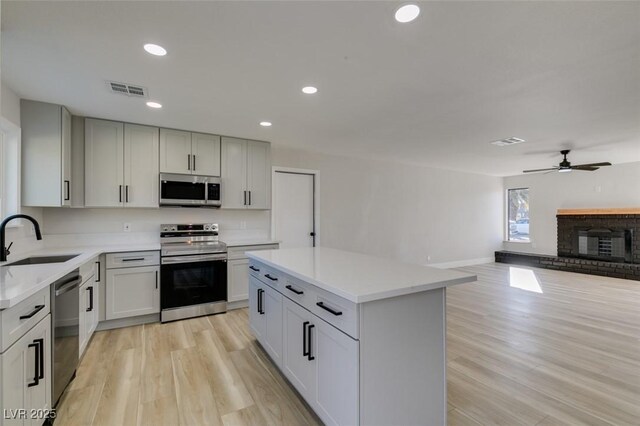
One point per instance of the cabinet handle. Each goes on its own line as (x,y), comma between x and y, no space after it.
(245,198)
(309,356)
(120,186)
(188,161)
(156,280)
(40,343)
(260,293)
(270,277)
(36,375)
(98,274)
(90,290)
(126,193)
(249,197)
(305,352)
(253,268)
(326,308)
(194,162)
(68,190)
(290,288)
(131,259)
(37,309)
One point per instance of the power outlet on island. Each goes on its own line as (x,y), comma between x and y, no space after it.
(126,227)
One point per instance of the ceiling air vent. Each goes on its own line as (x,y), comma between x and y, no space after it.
(508,141)
(127,89)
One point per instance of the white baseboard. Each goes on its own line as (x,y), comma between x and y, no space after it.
(461,263)
(127,322)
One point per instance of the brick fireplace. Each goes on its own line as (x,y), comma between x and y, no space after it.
(596,241)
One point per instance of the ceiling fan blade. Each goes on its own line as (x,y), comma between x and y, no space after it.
(593,165)
(540,170)
(585,167)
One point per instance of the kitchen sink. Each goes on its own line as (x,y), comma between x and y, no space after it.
(39,260)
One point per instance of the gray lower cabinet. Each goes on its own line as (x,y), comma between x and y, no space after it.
(132,289)
(238,271)
(26,377)
(88,306)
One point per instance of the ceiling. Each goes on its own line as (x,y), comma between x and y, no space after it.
(433,92)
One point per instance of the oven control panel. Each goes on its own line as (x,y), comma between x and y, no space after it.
(193,227)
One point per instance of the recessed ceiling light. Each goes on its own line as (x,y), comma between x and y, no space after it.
(407,13)
(154,49)
(265,123)
(152,104)
(309,90)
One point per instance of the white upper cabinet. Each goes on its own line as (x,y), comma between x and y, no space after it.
(189,153)
(246,174)
(104,163)
(205,154)
(46,154)
(121,164)
(175,151)
(141,169)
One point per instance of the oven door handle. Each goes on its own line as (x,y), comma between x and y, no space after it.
(191,259)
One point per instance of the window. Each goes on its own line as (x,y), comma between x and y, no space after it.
(9,168)
(518,214)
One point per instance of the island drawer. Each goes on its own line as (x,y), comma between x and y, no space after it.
(133,258)
(339,312)
(19,319)
(267,275)
(89,268)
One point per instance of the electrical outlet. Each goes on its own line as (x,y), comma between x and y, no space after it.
(428,258)
(243,224)
(126,227)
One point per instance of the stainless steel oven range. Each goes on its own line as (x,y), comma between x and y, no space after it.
(193,271)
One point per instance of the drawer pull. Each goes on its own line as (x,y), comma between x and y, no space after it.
(270,277)
(290,288)
(37,309)
(131,259)
(328,309)
(253,268)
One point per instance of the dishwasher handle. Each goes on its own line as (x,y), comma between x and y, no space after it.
(69,285)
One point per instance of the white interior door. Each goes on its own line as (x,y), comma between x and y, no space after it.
(294,209)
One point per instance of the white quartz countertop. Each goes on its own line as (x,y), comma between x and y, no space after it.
(238,242)
(19,282)
(358,277)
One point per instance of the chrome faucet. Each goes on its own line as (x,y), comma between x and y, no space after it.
(4,251)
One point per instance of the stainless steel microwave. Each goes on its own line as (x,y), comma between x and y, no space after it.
(190,190)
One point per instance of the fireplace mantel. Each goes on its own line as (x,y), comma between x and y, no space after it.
(578,212)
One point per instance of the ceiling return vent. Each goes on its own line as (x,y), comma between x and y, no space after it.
(507,141)
(127,89)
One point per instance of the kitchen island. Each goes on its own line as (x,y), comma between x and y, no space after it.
(361,338)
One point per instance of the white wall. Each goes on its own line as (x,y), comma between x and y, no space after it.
(609,187)
(402,211)
(10,105)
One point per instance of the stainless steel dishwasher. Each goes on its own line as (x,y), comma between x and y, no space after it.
(65,327)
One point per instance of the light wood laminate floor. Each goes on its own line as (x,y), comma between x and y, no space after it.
(525,347)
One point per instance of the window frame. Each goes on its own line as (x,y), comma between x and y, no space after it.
(506,222)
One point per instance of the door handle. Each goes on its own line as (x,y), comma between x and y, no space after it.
(68,190)
(309,356)
(36,375)
(90,290)
(305,352)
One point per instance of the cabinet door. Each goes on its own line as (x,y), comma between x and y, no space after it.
(19,369)
(257,319)
(258,175)
(66,157)
(205,151)
(175,151)
(93,313)
(238,279)
(273,329)
(132,292)
(83,318)
(336,397)
(141,165)
(296,365)
(104,163)
(234,173)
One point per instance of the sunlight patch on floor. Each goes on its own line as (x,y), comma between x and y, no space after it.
(524,279)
